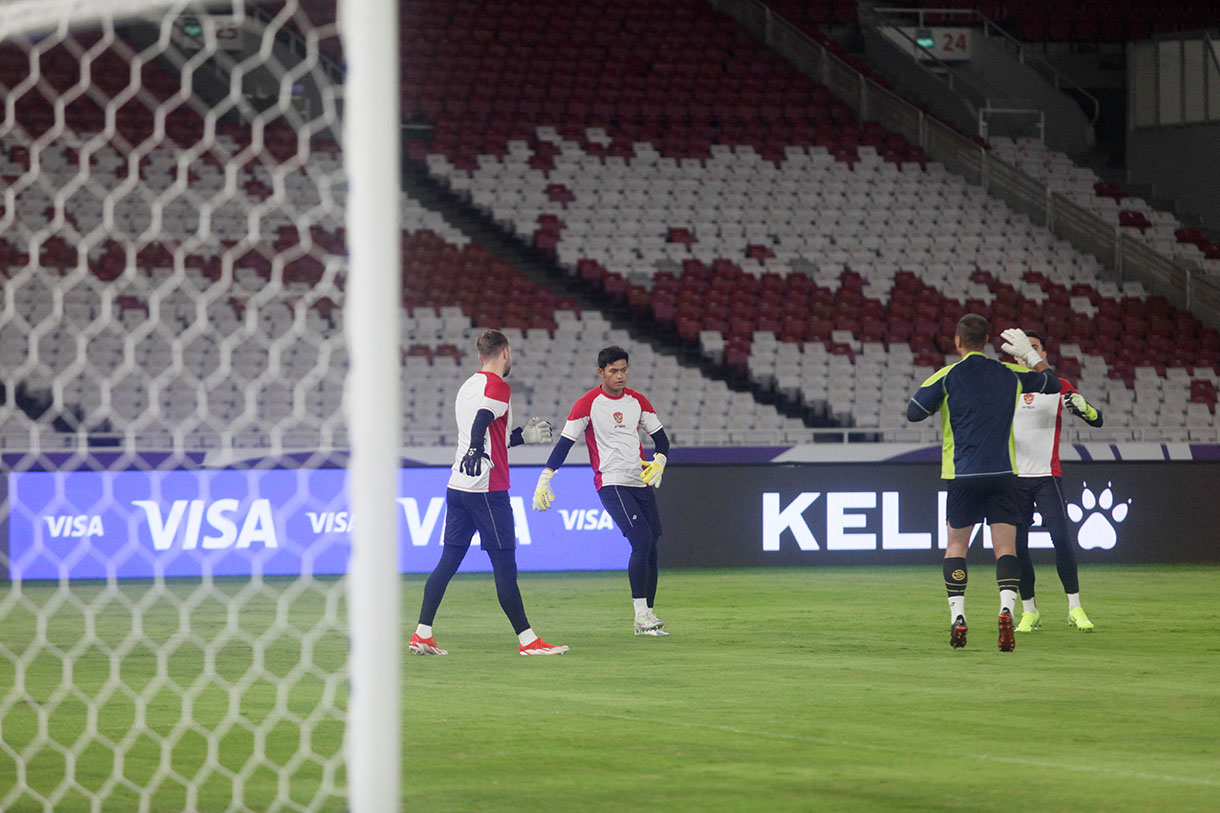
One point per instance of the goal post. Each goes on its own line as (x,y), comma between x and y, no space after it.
(371,134)
(199,364)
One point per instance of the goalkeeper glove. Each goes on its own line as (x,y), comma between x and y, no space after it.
(1074,403)
(472,462)
(536,431)
(1016,343)
(543,495)
(653,471)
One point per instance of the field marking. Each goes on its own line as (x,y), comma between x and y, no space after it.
(1190,780)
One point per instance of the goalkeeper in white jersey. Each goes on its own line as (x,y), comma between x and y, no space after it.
(611,416)
(1036,426)
(476,500)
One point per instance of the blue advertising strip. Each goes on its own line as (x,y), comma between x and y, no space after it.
(139,524)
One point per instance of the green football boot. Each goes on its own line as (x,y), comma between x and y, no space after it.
(1030,621)
(1077,619)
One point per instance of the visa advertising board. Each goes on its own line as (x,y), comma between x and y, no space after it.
(137,524)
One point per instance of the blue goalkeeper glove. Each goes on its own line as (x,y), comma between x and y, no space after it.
(472,462)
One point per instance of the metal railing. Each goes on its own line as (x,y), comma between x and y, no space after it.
(1126,257)
(986,114)
(261,443)
(256,444)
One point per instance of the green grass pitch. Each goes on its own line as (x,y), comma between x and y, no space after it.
(821,689)
(810,689)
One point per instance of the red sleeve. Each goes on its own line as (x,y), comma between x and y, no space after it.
(583,405)
(644,404)
(496,389)
(1066,385)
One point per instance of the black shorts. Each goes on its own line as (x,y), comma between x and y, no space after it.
(1043,495)
(487,512)
(634,510)
(994,498)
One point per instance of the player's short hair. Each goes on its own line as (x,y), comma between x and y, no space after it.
(972,329)
(491,343)
(1033,334)
(610,355)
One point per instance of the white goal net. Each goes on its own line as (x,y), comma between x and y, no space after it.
(173,517)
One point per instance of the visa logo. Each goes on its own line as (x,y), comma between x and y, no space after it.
(331,522)
(586,519)
(423,519)
(74,526)
(186,519)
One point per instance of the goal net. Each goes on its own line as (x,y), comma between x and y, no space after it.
(174,527)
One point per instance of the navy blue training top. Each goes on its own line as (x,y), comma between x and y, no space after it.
(976,398)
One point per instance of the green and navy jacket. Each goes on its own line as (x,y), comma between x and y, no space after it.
(976,398)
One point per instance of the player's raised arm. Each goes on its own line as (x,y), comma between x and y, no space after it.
(1041,377)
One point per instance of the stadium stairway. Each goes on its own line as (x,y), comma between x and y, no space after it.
(541,267)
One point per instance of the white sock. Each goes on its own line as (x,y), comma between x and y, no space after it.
(1073,601)
(1008,600)
(641,607)
(424,630)
(528,636)
(1029,605)
(957,606)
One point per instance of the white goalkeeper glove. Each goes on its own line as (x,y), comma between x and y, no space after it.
(1016,343)
(653,471)
(1074,403)
(543,495)
(536,431)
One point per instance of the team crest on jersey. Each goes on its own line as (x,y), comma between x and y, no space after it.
(618,417)
(1029,397)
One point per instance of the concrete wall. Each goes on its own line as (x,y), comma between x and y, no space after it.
(1180,163)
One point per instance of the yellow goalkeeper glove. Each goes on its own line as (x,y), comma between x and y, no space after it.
(653,471)
(1076,405)
(543,495)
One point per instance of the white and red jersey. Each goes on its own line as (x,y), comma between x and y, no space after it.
(483,391)
(1036,424)
(612,433)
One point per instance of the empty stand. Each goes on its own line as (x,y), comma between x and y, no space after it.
(717,192)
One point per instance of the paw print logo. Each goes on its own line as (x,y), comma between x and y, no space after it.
(1100,515)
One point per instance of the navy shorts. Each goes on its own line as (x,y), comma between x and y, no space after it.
(994,498)
(634,510)
(487,512)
